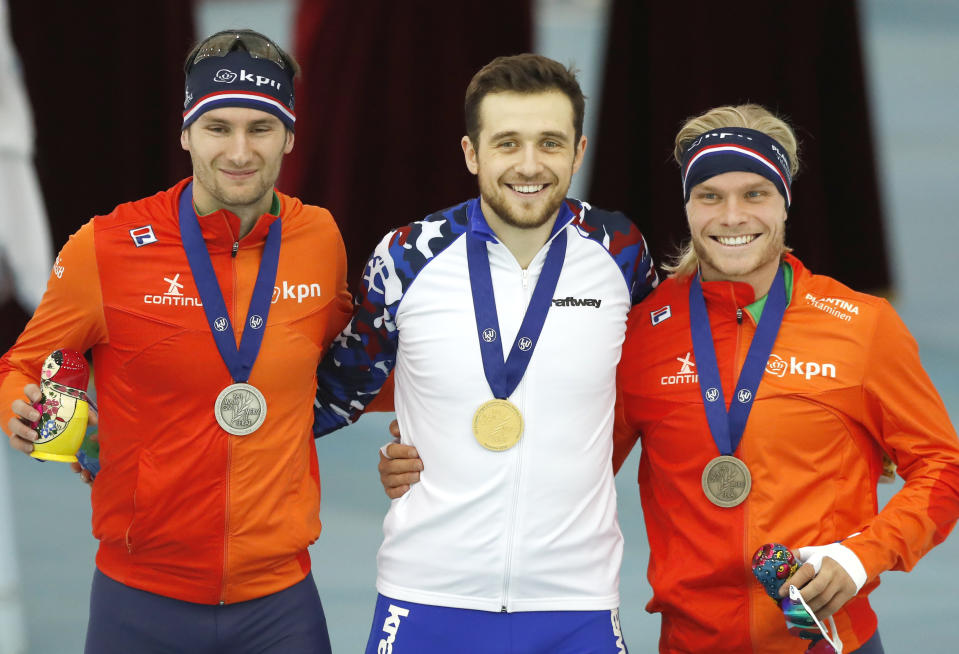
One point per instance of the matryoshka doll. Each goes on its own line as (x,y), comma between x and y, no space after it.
(63,407)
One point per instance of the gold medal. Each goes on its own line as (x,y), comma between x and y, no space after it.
(726,481)
(497,425)
(240,409)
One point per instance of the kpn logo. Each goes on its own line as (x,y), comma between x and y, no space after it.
(779,367)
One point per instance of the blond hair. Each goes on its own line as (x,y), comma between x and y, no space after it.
(751,116)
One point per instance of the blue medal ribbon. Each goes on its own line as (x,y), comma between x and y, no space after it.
(239,361)
(727,428)
(504,376)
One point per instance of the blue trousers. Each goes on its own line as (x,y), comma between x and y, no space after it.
(401,627)
(125,620)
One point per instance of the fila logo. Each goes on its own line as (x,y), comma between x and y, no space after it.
(220,324)
(390,626)
(524,344)
(256,321)
(778,366)
(834,306)
(658,316)
(576,302)
(489,334)
(173,296)
(686,374)
(143,235)
(58,268)
(297,292)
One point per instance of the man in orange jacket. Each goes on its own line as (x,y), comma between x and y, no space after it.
(207,307)
(765,397)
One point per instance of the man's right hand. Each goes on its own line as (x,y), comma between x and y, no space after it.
(22,437)
(400,468)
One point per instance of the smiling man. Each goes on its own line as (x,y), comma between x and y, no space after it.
(208,495)
(510,542)
(819,380)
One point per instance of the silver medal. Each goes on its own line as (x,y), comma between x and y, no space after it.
(240,409)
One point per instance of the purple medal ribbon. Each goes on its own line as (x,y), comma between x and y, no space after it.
(239,361)
(727,428)
(504,377)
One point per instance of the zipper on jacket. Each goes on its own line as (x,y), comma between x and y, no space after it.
(126,537)
(739,315)
(511,521)
(229,463)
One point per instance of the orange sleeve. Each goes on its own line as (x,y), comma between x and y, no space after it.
(343,303)
(624,436)
(70,316)
(383,402)
(906,415)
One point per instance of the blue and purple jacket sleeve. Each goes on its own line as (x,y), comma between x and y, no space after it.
(625,244)
(361,358)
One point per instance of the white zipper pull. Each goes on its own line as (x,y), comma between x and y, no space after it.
(525,278)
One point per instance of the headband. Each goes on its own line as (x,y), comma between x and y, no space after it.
(730,149)
(238,80)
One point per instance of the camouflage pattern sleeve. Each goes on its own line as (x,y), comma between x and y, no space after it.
(625,244)
(361,358)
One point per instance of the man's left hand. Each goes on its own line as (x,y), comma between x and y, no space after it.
(826,592)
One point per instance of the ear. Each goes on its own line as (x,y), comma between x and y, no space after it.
(469,154)
(580,151)
(289,142)
(185,139)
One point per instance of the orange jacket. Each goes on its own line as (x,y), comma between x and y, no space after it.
(181,507)
(843,384)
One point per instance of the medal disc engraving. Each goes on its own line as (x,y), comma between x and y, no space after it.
(497,425)
(726,481)
(240,409)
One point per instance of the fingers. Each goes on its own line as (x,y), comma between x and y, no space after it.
(93,419)
(395,429)
(396,482)
(83,472)
(21,437)
(32,391)
(398,474)
(801,577)
(399,451)
(830,589)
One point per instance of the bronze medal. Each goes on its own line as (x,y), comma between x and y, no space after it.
(497,425)
(726,481)
(240,409)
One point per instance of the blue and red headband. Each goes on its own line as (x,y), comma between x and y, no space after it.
(736,149)
(238,80)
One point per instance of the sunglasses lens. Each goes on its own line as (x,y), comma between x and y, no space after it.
(219,45)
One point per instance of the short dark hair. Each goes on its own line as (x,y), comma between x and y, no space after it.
(290,63)
(523,73)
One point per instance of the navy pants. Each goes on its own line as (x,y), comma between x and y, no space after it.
(124,620)
(871,646)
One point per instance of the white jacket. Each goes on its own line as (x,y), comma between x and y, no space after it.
(532,528)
